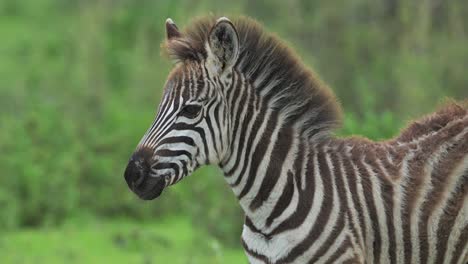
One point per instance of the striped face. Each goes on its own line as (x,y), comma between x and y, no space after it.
(190,128)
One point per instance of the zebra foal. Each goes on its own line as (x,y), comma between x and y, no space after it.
(239,98)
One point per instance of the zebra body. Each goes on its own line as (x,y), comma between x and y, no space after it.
(240,99)
(355,213)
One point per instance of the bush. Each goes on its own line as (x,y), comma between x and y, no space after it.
(81,80)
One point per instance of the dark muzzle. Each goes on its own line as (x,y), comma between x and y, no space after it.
(139,178)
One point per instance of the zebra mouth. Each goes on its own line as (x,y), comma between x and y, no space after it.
(151,188)
(141,179)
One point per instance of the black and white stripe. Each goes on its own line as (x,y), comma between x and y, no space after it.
(308,196)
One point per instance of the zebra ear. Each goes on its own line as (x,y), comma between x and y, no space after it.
(171,30)
(223,44)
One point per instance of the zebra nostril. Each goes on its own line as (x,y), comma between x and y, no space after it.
(131,174)
(135,173)
(138,168)
(140,178)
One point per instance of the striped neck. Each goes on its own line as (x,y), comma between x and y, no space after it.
(265,154)
(262,167)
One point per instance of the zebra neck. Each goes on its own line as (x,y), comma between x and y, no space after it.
(262,169)
(269,145)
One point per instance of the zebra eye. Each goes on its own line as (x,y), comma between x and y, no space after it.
(190,110)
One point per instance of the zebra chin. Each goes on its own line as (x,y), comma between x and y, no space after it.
(151,191)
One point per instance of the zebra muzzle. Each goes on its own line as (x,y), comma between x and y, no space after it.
(138,178)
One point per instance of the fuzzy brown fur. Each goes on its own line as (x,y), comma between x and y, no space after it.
(264,54)
(270,65)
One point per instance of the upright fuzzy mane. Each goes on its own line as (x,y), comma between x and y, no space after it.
(450,112)
(272,68)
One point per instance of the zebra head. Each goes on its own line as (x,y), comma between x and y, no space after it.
(192,124)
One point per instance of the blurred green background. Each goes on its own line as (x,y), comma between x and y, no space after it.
(80,82)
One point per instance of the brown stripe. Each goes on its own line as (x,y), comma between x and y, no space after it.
(254,229)
(368,196)
(299,162)
(249,145)
(393,169)
(386,194)
(286,196)
(323,216)
(439,178)
(343,210)
(339,251)
(255,254)
(397,154)
(449,215)
(353,260)
(241,129)
(282,146)
(352,186)
(283,201)
(341,185)
(234,88)
(460,246)
(305,199)
(409,195)
(413,187)
(258,155)
(387,198)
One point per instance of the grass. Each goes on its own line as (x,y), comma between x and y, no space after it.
(173,240)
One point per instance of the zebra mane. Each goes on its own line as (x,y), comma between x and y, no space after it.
(273,68)
(449,112)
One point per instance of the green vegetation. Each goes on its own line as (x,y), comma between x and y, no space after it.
(80,82)
(171,240)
